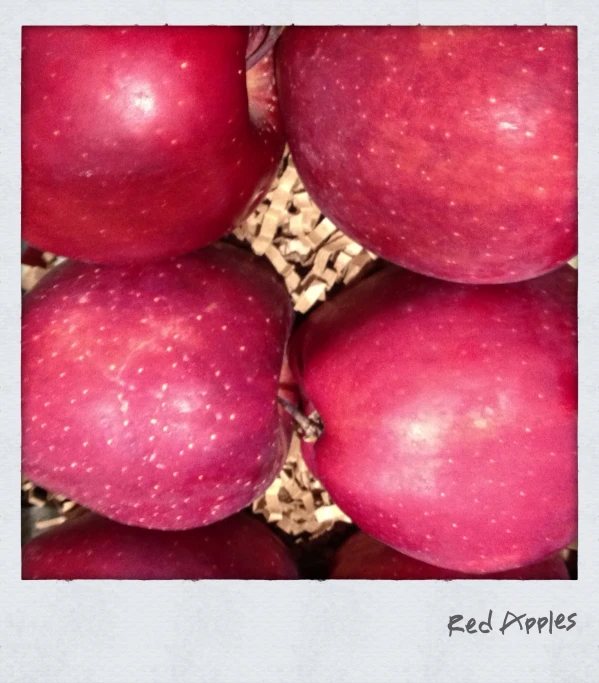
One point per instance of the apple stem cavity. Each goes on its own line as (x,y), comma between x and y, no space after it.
(309,428)
(264,47)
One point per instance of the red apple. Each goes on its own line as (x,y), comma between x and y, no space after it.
(449,151)
(449,414)
(363,557)
(149,390)
(93,547)
(142,142)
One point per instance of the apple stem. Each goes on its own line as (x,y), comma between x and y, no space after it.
(264,47)
(309,428)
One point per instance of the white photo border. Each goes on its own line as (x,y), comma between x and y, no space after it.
(303,631)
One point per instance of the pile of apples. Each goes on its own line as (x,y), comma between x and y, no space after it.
(161,363)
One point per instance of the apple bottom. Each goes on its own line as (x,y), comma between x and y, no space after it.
(93,547)
(363,557)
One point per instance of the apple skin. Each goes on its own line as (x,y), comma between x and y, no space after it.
(149,390)
(93,547)
(449,414)
(363,557)
(142,142)
(448,151)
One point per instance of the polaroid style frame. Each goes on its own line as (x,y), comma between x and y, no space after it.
(302,631)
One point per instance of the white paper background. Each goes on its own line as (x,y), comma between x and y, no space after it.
(305,631)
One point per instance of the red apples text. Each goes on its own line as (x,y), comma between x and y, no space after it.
(92,547)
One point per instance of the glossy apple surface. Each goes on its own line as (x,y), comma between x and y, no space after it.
(449,151)
(449,414)
(363,557)
(149,390)
(142,142)
(93,547)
